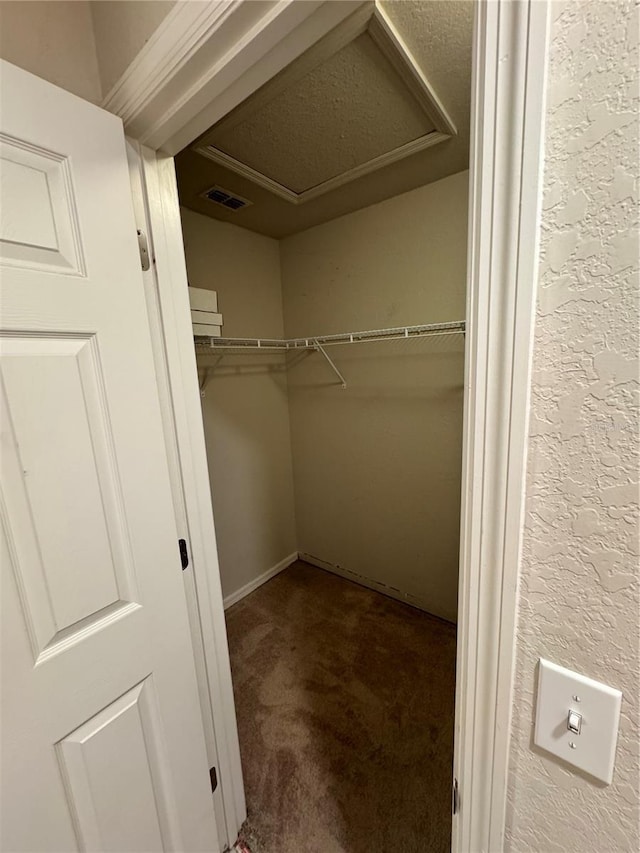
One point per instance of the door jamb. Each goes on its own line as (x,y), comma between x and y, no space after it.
(507,154)
(220,64)
(189,484)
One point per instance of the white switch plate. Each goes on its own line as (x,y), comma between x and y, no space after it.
(559,691)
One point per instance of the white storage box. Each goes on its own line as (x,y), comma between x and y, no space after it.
(203,300)
(204,312)
(207,329)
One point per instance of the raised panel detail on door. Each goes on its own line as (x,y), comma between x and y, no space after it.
(65,517)
(38,221)
(121,743)
(95,633)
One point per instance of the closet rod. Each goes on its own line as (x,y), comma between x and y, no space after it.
(315,342)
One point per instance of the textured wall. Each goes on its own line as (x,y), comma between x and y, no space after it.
(53,40)
(245,410)
(377,466)
(579,586)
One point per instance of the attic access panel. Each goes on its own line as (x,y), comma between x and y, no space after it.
(355,102)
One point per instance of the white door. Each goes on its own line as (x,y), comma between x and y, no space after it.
(102,741)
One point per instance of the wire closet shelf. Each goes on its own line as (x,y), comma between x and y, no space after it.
(312,342)
(318,343)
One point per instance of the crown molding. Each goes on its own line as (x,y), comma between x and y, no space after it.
(262,180)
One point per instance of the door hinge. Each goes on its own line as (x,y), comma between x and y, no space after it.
(455,797)
(214,778)
(143,248)
(184,554)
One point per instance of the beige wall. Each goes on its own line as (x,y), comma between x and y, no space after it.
(83,47)
(53,40)
(377,466)
(579,586)
(121,31)
(245,412)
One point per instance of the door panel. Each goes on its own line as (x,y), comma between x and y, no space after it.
(85,526)
(109,815)
(102,740)
(39,219)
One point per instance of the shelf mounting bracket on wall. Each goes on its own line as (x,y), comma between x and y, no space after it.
(202,380)
(319,348)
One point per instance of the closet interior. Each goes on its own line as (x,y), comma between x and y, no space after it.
(325,229)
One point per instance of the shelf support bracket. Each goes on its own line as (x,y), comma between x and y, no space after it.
(318,346)
(202,381)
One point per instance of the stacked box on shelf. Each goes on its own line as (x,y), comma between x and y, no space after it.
(204,312)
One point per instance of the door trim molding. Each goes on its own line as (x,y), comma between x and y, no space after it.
(176,366)
(225,63)
(507,145)
(205,59)
(168,49)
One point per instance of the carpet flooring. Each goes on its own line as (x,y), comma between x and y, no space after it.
(345,702)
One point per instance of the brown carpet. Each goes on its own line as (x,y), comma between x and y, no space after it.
(345,702)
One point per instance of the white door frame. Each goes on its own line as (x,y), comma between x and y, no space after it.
(507,152)
(203,61)
(153,182)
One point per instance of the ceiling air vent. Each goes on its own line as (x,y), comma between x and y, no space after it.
(223,197)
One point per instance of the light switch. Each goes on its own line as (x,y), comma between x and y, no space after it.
(574,722)
(577,719)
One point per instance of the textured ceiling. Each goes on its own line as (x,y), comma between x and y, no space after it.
(355,97)
(346,111)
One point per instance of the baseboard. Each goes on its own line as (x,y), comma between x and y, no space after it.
(248,588)
(354,577)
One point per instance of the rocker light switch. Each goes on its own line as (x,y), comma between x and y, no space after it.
(577,719)
(574,722)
